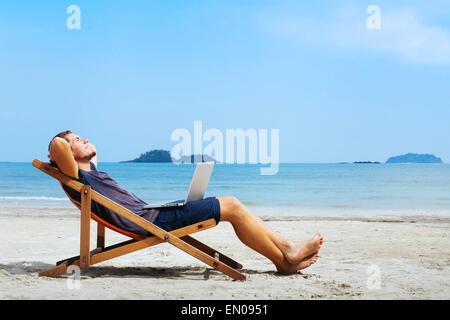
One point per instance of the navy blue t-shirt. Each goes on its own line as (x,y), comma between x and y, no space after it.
(105,185)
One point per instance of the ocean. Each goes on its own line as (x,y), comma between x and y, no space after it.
(297,189)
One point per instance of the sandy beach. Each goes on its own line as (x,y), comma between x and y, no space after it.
(362,258)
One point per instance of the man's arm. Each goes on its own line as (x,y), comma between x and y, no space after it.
(61,153)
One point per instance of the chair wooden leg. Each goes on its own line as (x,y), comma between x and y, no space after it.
(55,271)
(85,226)
(202,256)
(212,252)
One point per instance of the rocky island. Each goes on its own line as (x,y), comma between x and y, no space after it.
(414,158)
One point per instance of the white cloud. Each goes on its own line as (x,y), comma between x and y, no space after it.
(402,34)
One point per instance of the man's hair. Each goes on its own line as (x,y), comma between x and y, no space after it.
(60,135)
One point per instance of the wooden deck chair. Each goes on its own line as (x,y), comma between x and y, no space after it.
(180,238)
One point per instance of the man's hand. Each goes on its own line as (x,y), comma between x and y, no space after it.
(61,153)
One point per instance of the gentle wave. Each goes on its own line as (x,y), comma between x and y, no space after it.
(32,198)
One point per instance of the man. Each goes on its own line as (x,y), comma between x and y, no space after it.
(77,158)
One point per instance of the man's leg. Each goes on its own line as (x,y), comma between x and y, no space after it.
(253,232)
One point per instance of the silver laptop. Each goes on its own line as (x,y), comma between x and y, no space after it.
(196,191)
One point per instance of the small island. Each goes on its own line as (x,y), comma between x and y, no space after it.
(366,162)
(414,158)
(163,156)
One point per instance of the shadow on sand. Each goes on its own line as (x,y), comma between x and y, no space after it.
(188,272)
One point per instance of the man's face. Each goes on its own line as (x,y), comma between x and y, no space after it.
(81,148)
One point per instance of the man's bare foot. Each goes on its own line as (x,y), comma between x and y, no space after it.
(308,261)
(294,254)
(303,264)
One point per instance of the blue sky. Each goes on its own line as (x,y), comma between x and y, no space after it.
(137,70)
